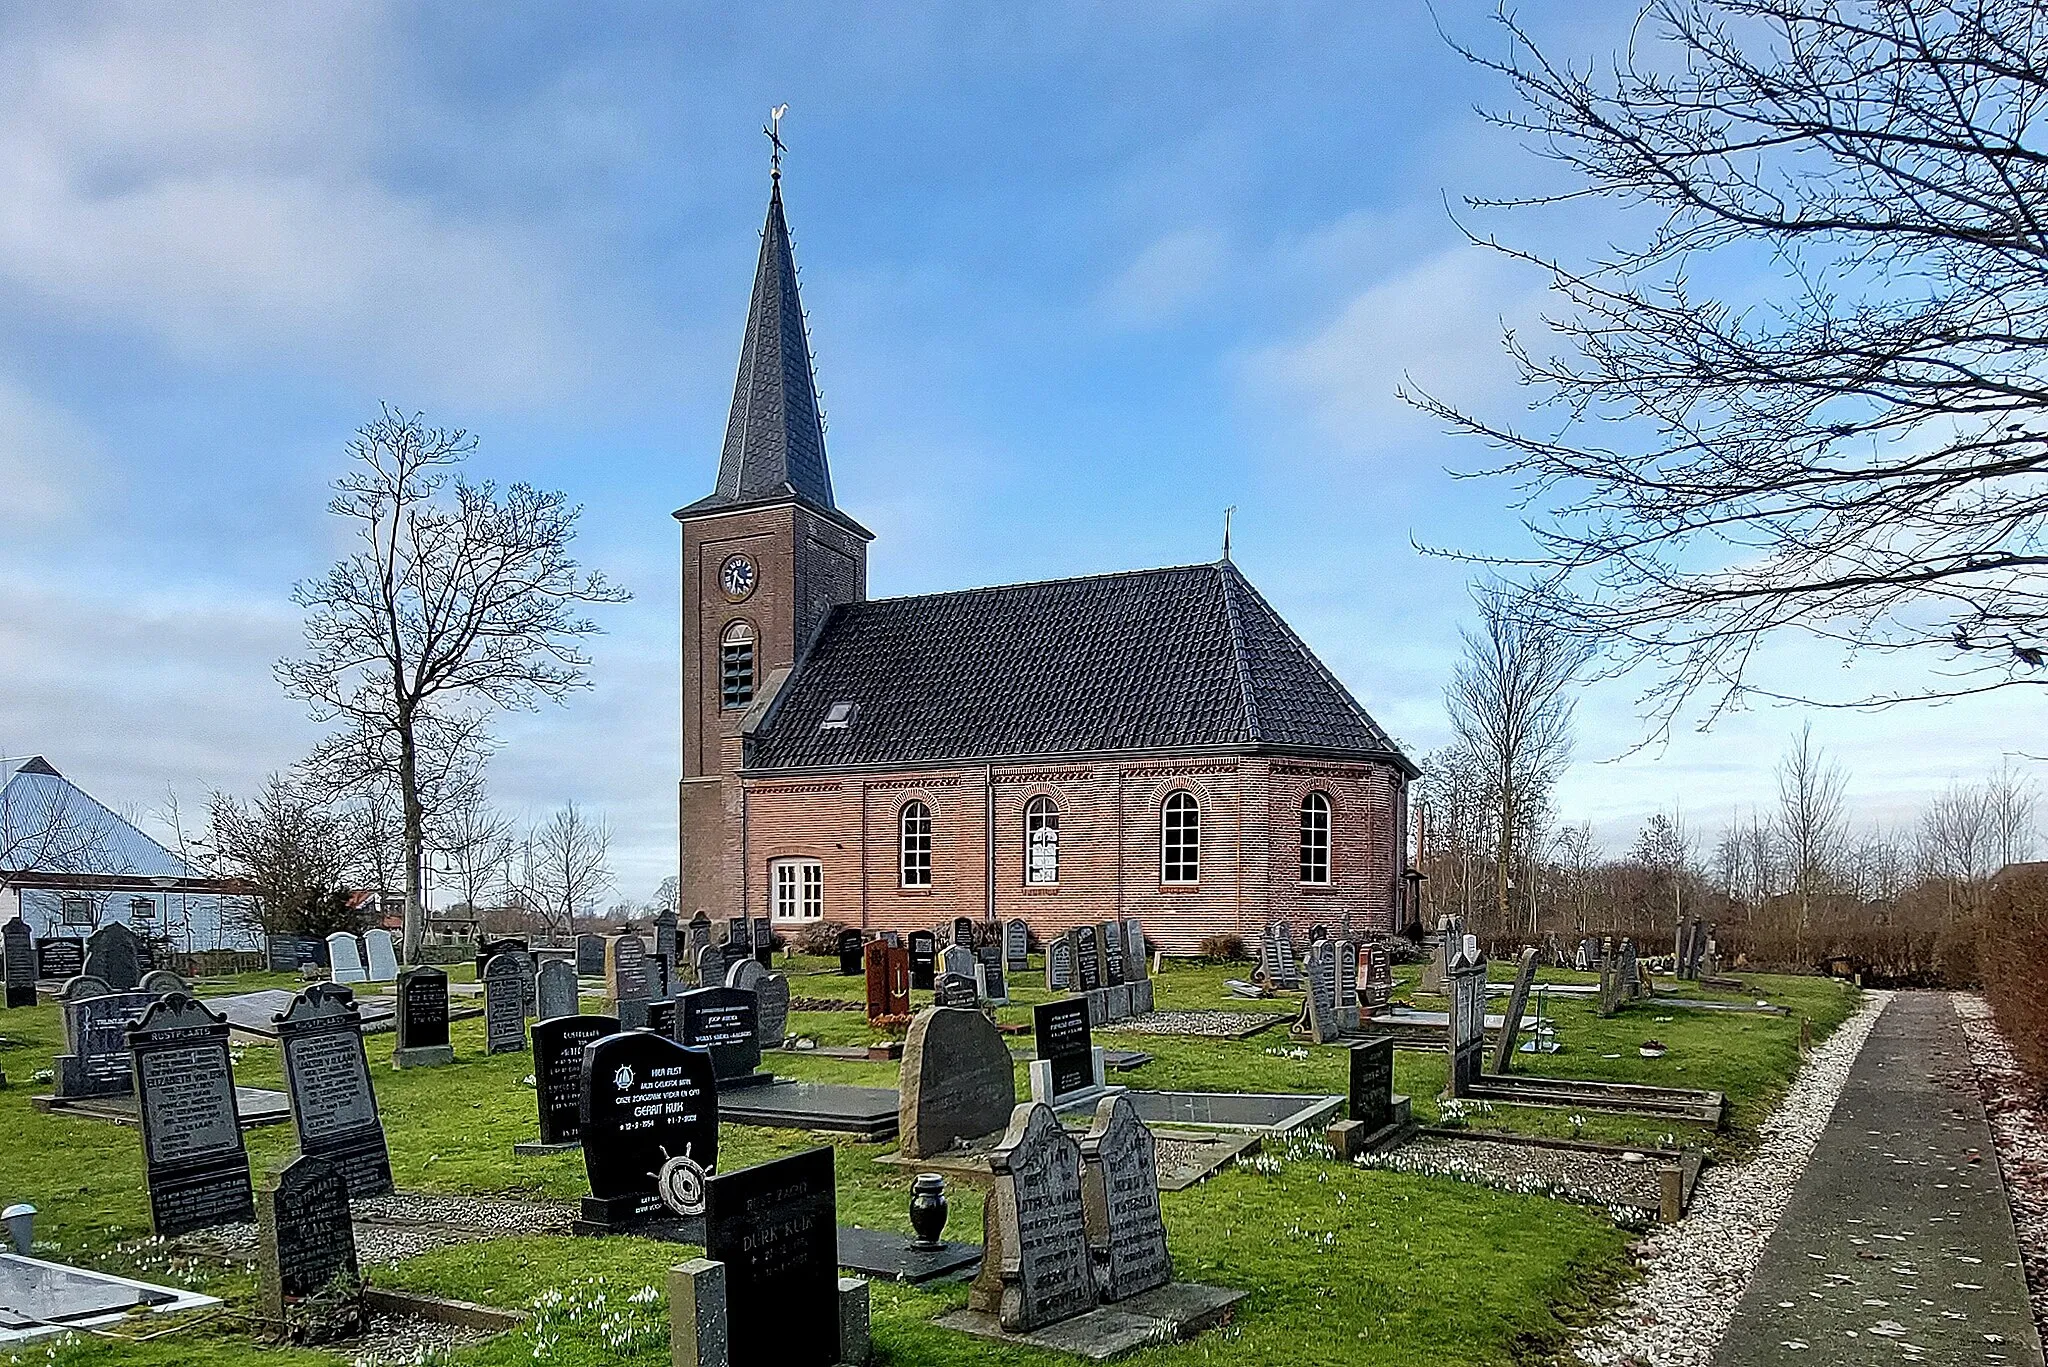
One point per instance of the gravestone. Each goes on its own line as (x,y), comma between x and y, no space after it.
(1037,1231)
(746,975)
(1068,1065)
(1465,976)
(1609,998)
(658,1016)
(1087,958)
(625,972)
(963,932)
(1628,977)
(771,1003)
(504,1007)
(382,954)
(589,956)
(18,946)
(1518,1002)
(1372,1084)
(708,964)
(1318,1020)
(648,1106)
(96,1020)
(161,982)
(59,958)
(994,986)
(1111,934)
(1277,949)
(849,947)
(696,937)
(114,955)
(345,959)
(1347,986)
(924,958)
(1136,965)
(422,1019)
(1450,936)
(486,947)
(1016,945)
(1059,964)
(726,1021)
(555,991)
(307,1248)
(294,953)
(954,990)
(1120,1200)
(327,1077)
(558,1044)
(959,961)
(665,935)
(888,979)
(1376,979)
(194,1162)
(775,1227)
(957,1082)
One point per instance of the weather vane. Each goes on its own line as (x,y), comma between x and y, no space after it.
(1226,529)
(774,132)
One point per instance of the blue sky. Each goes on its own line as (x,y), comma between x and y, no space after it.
(1078,277)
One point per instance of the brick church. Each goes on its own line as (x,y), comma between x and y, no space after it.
(1153,743)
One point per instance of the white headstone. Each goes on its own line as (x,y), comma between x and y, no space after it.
(345,960)
(383,954)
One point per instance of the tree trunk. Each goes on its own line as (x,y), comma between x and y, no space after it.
(415,835)
(1502,858)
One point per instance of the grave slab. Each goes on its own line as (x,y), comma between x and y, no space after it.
(892,1256)
(780,1104)
(1176,1311)
(1274,1112)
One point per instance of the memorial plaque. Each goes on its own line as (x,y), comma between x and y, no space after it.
(726,1021)
(775,1227)
(1016,945)
(305,1239)
(327,1078)
(1038,1227)
(60,958)
(646,1100)
(1059,964)
(1087,941)
(924,958)
(849,953)
(1120,1194)
(193,1158)
(957,1082)
(113,954)
(954,990)
(1372,1084)
(96,1021)
(1112,937)
(1060,1031)
(382,954)
(555,991)
(422,1019)
(888,979)
(18,946)
(771,1003)
(504,1011)
(625,971)
(558,1044)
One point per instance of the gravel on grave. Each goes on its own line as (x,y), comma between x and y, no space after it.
(391,1228)
(1694,1272)
(1567,1174)
(1205,1024)
(2019,1127)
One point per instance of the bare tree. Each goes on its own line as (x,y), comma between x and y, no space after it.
(1853,450)
(566,870)
(1813,821)
(1578,858)
(457,601)
(478,843)
(1510,711)
(2012,802)
(295,853)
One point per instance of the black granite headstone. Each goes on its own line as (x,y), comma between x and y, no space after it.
(850,954)
(1062,1036)
(558,1045)
(307,1244)
(726,1021)
(296,953)
(775,1227)
(327,1077)
(993,983)
(193,1158)
(1016,945)
(95,1061)
(485,948)
(764,942)
(113,954)
(963,931)
(1372,1083)
(1059,964)
(18,948)
(590,956)
(924,960)
(646,1101)
(422,1008)
(1112,936)
(954,989)
(1087,958)
(60,957)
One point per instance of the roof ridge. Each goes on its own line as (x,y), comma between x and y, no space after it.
(1034,584)
(1240,657)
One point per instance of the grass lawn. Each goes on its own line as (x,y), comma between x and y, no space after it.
(1344,1264)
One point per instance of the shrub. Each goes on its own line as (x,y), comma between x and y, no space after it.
(2013,957)
(1223,949)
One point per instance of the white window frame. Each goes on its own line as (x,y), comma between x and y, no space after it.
(1041,814)
(1318,818)
(914,845)
(1180,839)
(797,890)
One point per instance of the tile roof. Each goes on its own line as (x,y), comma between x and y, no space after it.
(1191,657)
(50,825)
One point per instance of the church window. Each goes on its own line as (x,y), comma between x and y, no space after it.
(798,886)
(1041,842)
(1315,838)
(916,823)
(1180,838)
(736,665)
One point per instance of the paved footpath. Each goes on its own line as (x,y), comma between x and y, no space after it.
(1896,1248)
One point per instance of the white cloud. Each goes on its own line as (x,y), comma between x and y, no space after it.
(1168,276)
(45,455)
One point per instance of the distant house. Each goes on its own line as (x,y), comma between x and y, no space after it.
(69,864)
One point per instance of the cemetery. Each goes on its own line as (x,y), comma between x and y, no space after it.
(818,1159)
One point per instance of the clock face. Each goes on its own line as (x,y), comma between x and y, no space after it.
(736,577)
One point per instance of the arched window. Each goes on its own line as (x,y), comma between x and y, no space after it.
(1180,838)
(1041,842)
(1315,838)
(736,665)
(916,823)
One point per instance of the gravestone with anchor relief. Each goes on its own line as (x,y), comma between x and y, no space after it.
(888,979)
(194,1161)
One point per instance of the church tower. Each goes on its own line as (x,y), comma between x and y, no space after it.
(766,556)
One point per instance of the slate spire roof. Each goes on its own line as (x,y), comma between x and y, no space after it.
(1187,658)
(774,438)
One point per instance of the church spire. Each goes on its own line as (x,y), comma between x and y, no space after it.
(774,439)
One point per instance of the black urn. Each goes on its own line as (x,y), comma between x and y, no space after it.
(928,1209)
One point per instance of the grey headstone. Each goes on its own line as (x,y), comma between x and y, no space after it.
(555,990)
(327,1077)
(958,960)
(345,959)
(771,1000)
(1518,1002)
(952,989)
(113,953)
(625,970)
(1016,945)
(193,1158)
(746,975)
(1039,1230)
(382,954)
(1120,1194)
(95,1061)
(504,1005)
(589,956)
(957,1081)
(1465,975)
(306,1240)
(161,982)
(1059,964)
(1136,964)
